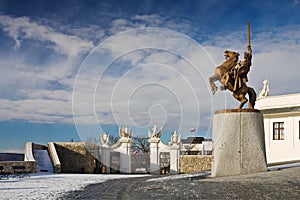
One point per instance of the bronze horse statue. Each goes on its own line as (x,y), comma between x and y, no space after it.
(230,77)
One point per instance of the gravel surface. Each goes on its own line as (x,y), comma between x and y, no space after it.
(280,184)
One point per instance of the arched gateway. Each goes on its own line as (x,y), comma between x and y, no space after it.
(117,158)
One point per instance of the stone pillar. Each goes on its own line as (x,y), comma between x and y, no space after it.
(174,159)
(125,155)
(238,139)
(105,158)
(154,155)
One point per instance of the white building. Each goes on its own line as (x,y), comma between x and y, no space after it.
(282,127)
(196,146)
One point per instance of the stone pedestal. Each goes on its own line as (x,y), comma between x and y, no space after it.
(239,146)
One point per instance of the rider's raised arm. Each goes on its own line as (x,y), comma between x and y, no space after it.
(249,50)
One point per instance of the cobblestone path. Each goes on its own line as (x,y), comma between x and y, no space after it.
(281,184)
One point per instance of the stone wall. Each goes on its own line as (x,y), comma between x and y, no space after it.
(194,163)
(38,147)
(75,158)
(30,166)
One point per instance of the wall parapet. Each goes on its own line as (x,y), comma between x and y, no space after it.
(30,166)
(28,152)
(54,157)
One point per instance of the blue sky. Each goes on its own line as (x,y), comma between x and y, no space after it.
(72,69)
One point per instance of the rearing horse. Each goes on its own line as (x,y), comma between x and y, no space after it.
(223,74)
(232,59)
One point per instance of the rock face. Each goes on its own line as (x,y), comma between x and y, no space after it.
(238,139)
(194,163)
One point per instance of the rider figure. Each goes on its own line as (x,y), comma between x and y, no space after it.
(242,69)
(239,73)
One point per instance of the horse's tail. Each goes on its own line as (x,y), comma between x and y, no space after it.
(252,96)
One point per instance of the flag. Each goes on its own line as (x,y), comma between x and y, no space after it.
(193,130)
(135,153)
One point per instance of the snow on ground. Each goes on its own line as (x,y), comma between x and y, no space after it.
(50,186)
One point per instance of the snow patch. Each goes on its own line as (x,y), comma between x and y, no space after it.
(279,167)
(51,186)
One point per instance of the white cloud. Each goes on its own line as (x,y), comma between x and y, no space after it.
(272,64)
(35,93)
(21,79)
(149,19)
(153,20)
(87,32)
(163,73)
(36,110)
(61,95)
(164,81)
(276,58)
(21,28)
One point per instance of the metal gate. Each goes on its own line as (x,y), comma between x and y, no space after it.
(115,162)
(164,162)
(140,162)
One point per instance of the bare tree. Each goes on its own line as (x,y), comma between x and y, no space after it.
(140,155)
(140,144)
(92,139)
(113,139)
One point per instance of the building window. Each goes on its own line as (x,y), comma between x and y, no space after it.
(278,131)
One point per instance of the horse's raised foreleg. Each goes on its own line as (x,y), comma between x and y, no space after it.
(212,80)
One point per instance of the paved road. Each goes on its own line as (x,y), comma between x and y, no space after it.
(280,184)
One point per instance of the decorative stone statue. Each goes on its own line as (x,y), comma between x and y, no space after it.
(265,91)
(242,127)
(175,138)
(233,76)
(156,133)
(125,132)
(104,139)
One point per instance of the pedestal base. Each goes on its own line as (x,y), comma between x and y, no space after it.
(239,146)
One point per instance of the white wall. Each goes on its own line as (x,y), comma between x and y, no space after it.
(203,148)
(282,150)
(156,147)
(281,108)
(123,146)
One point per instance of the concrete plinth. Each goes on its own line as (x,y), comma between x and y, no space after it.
(239,146)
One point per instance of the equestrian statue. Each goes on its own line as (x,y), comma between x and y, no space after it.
(233,76)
